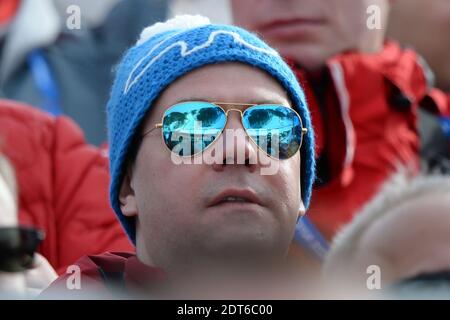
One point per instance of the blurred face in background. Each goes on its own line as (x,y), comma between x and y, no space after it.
(424,25)
(312,31)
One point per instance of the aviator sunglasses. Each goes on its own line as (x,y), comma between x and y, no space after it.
(189,128)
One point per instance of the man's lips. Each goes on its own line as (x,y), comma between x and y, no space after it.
(235,196)
(289,27)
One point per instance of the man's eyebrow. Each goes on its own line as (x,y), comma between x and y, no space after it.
(255,102)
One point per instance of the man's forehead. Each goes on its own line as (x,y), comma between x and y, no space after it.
(251,101)
(225,82)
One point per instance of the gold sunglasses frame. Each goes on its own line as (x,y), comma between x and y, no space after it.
(219,105)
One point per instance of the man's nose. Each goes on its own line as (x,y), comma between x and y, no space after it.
(237,147)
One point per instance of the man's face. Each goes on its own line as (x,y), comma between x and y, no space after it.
(424,25)
(312,31)
(177,225)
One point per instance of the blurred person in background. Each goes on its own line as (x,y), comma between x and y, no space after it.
(364,94)
(399,242)
(424,26)
(62,184)
(429,37)
(49,62)
(23,273)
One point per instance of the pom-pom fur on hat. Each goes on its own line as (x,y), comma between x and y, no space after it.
(179,22)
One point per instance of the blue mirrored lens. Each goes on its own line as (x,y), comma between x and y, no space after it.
(276,129)
(190,127)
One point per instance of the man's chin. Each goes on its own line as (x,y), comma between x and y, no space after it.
(241,246)
(310,56)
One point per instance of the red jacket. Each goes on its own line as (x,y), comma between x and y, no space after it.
(106,276)
(63,184)
(365,118)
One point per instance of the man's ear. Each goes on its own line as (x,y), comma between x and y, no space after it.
(127,198)
(301,209)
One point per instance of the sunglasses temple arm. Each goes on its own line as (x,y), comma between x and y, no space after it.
(157,126)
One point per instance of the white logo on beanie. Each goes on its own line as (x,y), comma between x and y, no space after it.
(175,24)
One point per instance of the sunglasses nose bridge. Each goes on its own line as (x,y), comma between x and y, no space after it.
(236,110)
(228,118)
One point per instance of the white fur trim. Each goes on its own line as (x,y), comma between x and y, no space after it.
(179,22)
(404,186)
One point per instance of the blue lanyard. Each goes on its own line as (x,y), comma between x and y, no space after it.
(309,237)
(45,82)
(445,124)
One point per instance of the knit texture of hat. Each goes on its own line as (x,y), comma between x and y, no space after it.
(164,53)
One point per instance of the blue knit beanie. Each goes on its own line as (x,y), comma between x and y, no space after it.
(165,52)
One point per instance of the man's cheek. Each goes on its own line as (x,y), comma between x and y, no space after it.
(287,185)
(290,169)
(269,167)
